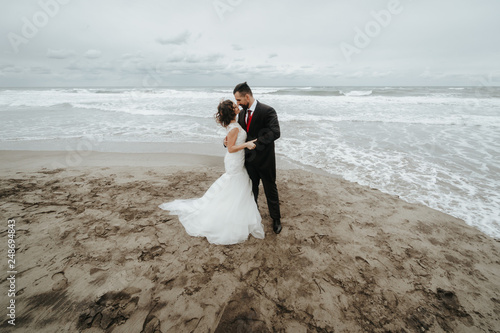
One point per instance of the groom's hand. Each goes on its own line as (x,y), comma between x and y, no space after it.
(225,142)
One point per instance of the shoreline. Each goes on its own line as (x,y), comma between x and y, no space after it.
(174,155)
(95,254)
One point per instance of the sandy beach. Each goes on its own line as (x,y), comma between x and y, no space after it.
(94,253)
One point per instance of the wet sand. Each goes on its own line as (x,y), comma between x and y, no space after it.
(96,254)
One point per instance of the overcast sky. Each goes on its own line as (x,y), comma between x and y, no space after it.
(274,42)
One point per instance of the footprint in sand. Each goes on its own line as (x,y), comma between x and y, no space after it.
(151,325)
(360,261)
(113,309)
(100,230)
(241,314)
(60,281)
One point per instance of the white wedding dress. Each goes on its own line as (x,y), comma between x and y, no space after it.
(227,212)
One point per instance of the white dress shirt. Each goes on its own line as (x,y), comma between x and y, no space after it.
(251,108)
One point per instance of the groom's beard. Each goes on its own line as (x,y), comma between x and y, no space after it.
(244,107)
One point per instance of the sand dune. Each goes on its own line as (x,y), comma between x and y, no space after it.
(96,254)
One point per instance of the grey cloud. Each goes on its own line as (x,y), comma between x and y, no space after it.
(60,54)
(205,58)
(264,66)
(177,40)
(355,75)
(74,66)
(193,58)
(10,69)
(40,70)
(92,54)
(381,74)
(137,55)
(91,67)
(194,68)
(427,74)
(175,59)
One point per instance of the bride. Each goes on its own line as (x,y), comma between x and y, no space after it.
(227,212)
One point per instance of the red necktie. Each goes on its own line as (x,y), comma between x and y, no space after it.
(249,119)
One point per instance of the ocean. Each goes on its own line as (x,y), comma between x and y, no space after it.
(439,146)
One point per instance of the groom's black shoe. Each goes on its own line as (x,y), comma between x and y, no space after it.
(276,226)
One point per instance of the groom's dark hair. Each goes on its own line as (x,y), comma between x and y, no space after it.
(243,89)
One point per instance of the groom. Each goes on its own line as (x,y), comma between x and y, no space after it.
(261,123)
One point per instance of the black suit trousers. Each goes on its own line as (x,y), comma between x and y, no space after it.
(268,177)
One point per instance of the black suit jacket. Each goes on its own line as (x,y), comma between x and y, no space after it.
(265,128)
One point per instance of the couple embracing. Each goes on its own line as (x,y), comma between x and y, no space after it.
(228,212)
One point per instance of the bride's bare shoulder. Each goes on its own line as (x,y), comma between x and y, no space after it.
(232,126)
(232,129)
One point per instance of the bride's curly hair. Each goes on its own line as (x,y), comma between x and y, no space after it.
(225,112)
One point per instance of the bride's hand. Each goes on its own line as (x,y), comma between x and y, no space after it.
(251,144)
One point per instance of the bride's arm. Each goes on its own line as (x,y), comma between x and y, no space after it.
(231,140)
